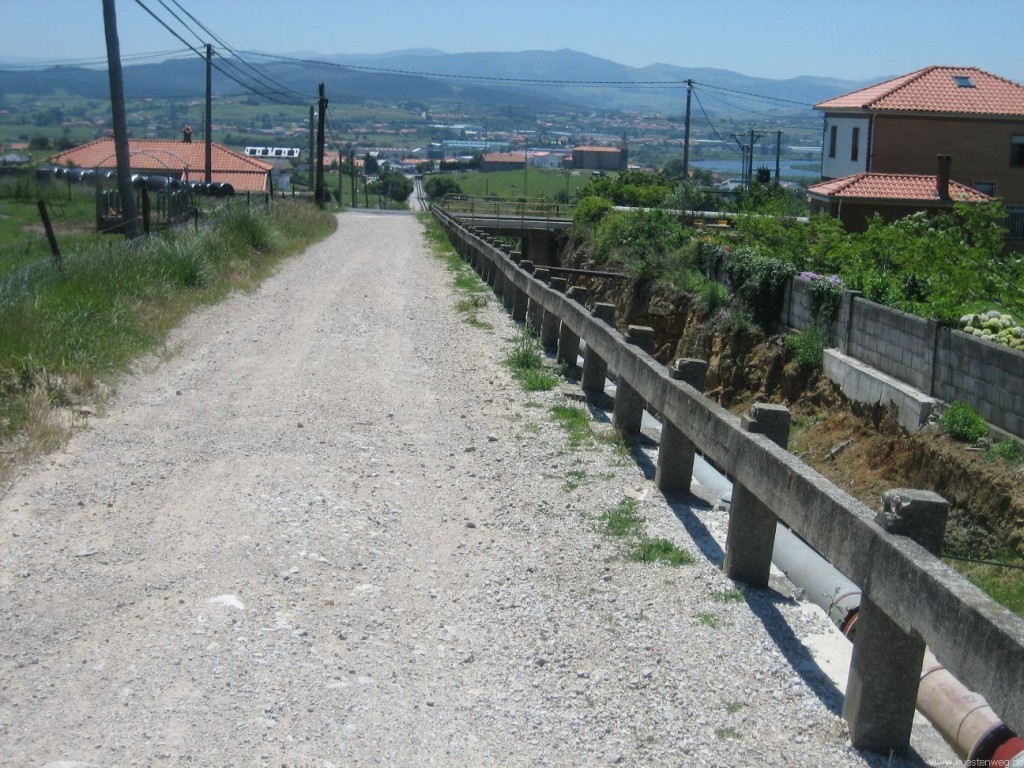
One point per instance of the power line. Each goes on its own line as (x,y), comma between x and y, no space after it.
(226,74)
(477,78)
(714,130)
(223,44)
(60,63)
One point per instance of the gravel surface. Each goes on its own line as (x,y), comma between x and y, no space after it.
(326,528)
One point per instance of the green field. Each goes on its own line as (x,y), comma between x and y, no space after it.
(511,184)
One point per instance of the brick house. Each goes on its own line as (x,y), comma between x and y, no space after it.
(901,125)
(855,199)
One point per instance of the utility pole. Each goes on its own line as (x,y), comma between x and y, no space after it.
(778,156)
(124,176)
(352,172)
(208,132)
(341,176)
(750,167)
(686,132)
(312,157)
(320,147)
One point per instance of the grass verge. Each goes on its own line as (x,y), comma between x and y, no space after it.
(474,293)
(64,334)
(527,365)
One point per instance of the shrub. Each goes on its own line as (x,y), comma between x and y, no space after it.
(713,296)
(759,280)
(809,347)
(588,214)
(1008,450)
(963,423)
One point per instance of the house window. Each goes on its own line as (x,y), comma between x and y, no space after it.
(1015,222)
(963,81)
(1017,151)
(855,149)
(832,141)
(986,187)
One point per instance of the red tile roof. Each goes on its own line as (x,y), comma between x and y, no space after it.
(245,174)
(505,157)
(893,186)
(934,89)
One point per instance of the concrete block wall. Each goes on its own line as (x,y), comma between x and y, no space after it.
(893,342)
(986,375)
(940,362)
(979,642)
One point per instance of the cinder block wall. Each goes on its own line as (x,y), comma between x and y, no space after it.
(941,362)
(986,375)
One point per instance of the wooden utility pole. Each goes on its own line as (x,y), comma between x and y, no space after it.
(352,171)
(320,125)
(312,156)
(778,156)
(124,175)
(341,176)
(686,132)
(208,128)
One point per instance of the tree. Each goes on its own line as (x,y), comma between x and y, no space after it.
(437,187)
(370,165)
(393,184)
(39,143)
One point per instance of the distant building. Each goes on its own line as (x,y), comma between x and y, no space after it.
(592,158)
(503,161)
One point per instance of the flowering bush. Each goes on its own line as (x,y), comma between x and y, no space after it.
(994,326)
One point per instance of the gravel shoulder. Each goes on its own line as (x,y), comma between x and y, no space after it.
(327,529)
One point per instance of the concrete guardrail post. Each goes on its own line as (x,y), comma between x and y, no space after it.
(549,331)
(520,304)
(628,411)
(516,257)
(676,452)
(569,340)
(559,284)
(595,369)
(885,670)
(751,536)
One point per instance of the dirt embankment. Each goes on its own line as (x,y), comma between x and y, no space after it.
(860,448)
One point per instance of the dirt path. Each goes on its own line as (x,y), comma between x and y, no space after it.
(328,530)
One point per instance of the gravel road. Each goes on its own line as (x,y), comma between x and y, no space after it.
(325,528)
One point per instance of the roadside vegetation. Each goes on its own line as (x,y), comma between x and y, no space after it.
(67,332)
(936,267)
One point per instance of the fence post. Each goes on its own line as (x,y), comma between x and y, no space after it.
(676,452)
(751,536)
(885,670)
(569,340)
(628,411)
(58,260)
(595,369)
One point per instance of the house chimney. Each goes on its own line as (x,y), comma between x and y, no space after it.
(942,178)
(187,134)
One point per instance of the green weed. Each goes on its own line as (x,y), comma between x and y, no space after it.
(576,422)
(623,520)
(660,551)
(707,619)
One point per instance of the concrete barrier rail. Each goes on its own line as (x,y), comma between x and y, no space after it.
(914,597)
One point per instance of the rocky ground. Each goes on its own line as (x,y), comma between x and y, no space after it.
(325,528)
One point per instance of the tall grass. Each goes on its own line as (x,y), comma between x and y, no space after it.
(65,331)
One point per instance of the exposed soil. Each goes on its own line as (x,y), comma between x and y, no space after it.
(860,448)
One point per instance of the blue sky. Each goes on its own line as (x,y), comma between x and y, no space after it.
(849,39)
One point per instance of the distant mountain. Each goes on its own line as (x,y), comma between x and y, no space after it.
(602,75)
(531,80)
